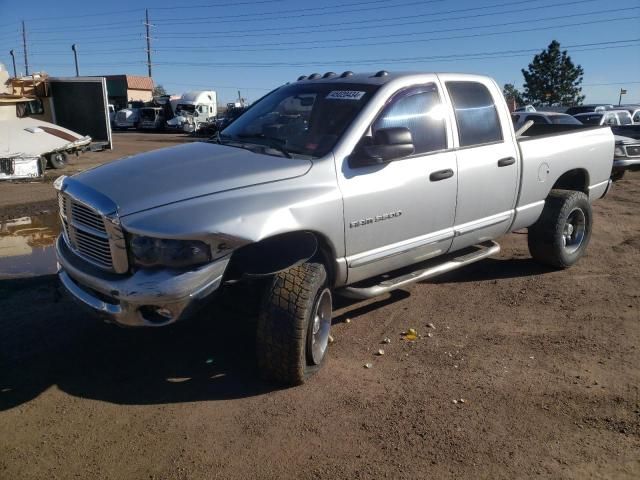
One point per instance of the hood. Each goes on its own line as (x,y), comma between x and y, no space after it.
(183,172)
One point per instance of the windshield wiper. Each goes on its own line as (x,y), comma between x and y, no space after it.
(272,143)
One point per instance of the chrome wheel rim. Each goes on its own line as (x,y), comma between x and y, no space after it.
(574,230)
(318,336)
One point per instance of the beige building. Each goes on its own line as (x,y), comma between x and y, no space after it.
(126,88)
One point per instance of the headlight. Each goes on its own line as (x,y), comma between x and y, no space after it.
(156,252)
(619,152)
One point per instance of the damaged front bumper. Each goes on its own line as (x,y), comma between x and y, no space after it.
(148,298)
(17,167)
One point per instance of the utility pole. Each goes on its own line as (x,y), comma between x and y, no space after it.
(24,46)
(13,57)
(75,58)
(147,25)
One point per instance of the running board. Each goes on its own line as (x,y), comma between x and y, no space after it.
(481,251)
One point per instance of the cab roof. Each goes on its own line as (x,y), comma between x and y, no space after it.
(380,77)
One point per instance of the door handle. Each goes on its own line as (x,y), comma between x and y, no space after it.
(505,162)
(441,175)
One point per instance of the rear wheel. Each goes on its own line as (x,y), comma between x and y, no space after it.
(561,235)
(58,159)
(294,324)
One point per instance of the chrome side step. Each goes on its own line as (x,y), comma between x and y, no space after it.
(481,251)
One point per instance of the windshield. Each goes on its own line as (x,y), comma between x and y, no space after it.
(185,108)
(590,119)
(148,113)
(304,118)
(564,120)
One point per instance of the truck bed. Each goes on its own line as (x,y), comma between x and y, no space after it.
(548,151)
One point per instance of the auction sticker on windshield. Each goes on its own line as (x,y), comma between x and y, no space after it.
(345,95)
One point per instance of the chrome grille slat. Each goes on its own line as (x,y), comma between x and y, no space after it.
(90,235)
(87,246)
(88,222)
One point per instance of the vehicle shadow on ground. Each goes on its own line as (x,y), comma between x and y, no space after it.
(493,269)
(49,341)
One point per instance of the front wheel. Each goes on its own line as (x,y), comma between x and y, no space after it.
(58,159)
(294,324)
(561,235)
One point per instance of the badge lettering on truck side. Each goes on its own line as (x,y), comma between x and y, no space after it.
(378,218)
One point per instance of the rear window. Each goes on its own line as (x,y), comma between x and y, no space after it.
(476,113)
(564,120)
(590,119)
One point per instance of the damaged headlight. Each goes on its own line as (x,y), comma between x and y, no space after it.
(156,252)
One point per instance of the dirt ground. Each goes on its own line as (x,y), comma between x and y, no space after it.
(547,363)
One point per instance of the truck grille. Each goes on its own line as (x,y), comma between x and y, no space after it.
(633,151)
(86,233)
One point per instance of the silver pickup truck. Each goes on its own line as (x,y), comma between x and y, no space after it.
(354,184)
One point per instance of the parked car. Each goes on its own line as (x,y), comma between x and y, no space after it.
(129,117)
(598,107)
(356,184)
(151,118)
(626,156)
(608,117)
(634,111)
(547,118)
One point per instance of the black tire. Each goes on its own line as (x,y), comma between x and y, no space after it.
(286,324)
(58,159)
(617,175)
(561,235)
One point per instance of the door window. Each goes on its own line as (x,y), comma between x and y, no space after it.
(476,113)
(420,110)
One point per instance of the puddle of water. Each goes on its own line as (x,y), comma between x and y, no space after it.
(26,245)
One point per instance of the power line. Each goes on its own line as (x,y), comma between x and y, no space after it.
(97,26)
(216,5)
(294,46)
(396,35)
(350,25)
(496,54)
(75,38)
(181,6)
(292,13)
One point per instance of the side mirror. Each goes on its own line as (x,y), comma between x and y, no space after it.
(388,144)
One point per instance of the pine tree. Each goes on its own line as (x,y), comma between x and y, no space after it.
(553,79)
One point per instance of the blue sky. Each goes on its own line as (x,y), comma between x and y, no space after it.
(255,45)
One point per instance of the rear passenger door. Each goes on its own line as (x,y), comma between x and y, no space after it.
(487,159)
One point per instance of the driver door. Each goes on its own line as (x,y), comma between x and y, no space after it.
(402,212)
